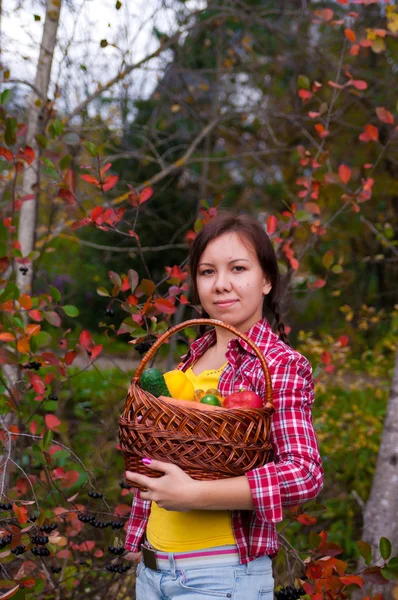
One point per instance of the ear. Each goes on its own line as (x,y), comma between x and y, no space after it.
(267,287)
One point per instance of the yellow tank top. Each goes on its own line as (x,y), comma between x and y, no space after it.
(173,531)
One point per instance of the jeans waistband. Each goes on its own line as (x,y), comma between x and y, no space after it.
(165,561)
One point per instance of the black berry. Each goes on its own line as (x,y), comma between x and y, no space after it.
(53,397)
(56,569)
(40,551)
(40,540)
(5,506)
(117,524)
(95,495)
(118,550)
(18,550)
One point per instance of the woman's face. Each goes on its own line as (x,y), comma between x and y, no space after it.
(231,283)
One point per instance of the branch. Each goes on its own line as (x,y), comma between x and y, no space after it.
(116,249)
(31,85)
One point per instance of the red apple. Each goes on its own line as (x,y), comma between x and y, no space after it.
(244,399)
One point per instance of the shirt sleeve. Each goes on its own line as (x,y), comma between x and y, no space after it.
(137,523)
(295,475)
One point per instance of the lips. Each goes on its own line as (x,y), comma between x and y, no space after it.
(225,303)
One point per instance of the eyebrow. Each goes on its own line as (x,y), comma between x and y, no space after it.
(231,261)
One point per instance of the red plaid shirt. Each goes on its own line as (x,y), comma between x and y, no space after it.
(295,475)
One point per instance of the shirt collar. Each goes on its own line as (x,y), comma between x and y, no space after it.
(260,333)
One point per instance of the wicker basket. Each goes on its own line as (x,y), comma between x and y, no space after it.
(207,445)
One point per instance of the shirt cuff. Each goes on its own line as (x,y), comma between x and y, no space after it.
(265,490)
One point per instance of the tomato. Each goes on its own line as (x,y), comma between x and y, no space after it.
(244,399)
(210,399)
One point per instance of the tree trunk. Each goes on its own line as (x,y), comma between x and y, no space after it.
(36,111)
(381,511)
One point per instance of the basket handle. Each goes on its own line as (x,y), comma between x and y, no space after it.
(192,322)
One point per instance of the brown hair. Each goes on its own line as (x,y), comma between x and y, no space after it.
(250,230)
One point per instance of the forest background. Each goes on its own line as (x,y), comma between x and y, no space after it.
(123,129)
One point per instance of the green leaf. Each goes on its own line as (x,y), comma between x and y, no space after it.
(37,17)
(5,96)
(337,269)
(49,163)
(42,140)
(47,439)
(10,134)
(385,548)
(303,215)
(303,82)
(118,5)
(65,162)
(34,255)
(365,550)
(11,292)
(70,310)
(101,291)
(50,405)
(91,148)
(55,293)
(328,258)
(41,340)
(57,127)
(51,172)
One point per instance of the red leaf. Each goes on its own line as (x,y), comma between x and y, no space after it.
(100,553)
(6,336)
(384,115)
(90,179)
(96,351)
(105,168)
(53,318)
(344,173)
(344,340)
(326,358)
(67,195)
(52,422)
(312,207)
(272,223)
(145,195)
(110,182)
(350,35)
(96,212)
(352,579)
(35,315)
(165,305)
(370,134)
(22,514)
(28,155)
(294,263)
(326,14)
(321,130)
(184,299)
(64,554)
(359,84)
(305,95)
(333,84)
(70,357)
(38,384)
(354,50)
(33,427)
(85,339)
(87,546)
(6,153)
(122,509)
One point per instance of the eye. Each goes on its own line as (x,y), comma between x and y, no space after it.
(240,268)
(206,271)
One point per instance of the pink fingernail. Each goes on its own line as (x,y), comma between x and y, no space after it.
(146,461)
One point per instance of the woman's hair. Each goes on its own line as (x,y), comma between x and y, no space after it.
(250,230)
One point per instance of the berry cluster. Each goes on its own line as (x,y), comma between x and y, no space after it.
(95,495)
(118,568)
(18,550)
(125,486)
(143,347)
(39,540)
(118,550)
(109,312)
(48,528)
(33,518)
(56,569)
(32,365)
(40,551)
(23,270)
(84,518)
(4,541)
(5,506)
(53,397)
(117,524)
(289,593)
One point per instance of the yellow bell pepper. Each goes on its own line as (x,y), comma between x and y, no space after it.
(179,385)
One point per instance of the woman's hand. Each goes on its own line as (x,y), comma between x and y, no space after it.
(133,556)
(175,490)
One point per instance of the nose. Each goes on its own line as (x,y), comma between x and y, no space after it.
(222,282)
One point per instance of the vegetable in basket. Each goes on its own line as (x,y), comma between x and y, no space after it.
(243,399)
(179,385)
(153,381)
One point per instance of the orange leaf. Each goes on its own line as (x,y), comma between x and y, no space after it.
(352,579)
(305,94)
(272,223)
(96,351)
(354,50)
(312,207)
(90,179)
(6,153)
(52,422)
(344,173)
(165,306)
(7,337)
(25,301)
(350,35)
(32,329)
(96,212)
(23,344)
(306,519)
(22,514)
(384,115)
(326,14)
(370,134)
(321,130)
(122,509)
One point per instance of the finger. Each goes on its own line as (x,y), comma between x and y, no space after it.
(142,480)
(158,465)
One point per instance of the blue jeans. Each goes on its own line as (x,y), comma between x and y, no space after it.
(253,581)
